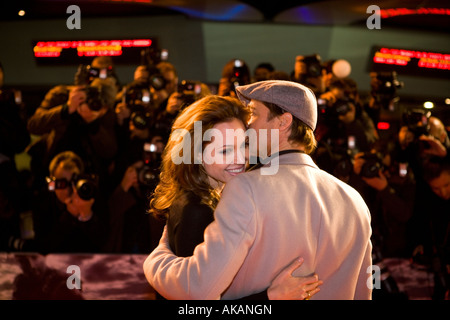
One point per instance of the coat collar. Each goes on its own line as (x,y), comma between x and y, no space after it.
(288,158)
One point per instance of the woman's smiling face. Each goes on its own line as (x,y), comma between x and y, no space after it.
(226,155)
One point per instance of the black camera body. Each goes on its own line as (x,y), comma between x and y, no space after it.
(86,73)
(86,185)
(141,118)
(417,121)
(239,76)
(93,98)
(342,106)
(189,91)
(148,175)
(386,88)
(339,108)
(313,66)
(152,56)
(372,165)
(137,95)
(137,98)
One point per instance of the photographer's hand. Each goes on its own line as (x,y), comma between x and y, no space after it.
(122,112)
(435,146)
(358,161)
(77,96)
(379,183)
(89,115)
(130,178)
(174,103)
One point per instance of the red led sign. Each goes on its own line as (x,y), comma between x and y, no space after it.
(411,62)
(389,13)
(90,48)
(75,51)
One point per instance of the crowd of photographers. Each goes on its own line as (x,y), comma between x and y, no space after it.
(97,146)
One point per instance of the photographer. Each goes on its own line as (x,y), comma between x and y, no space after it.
(421,137)
(343,128)
(132,229)
(383,94)
(83,124)
(14,138)
(234,73)
(101,67)
(164,84)
(308,70)
(387,186)
(187,93)
(69,215)
(136,171)
(430,227)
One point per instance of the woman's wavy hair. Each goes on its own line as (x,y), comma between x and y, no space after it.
(188,176)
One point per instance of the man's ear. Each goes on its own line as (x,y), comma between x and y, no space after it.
(285,121)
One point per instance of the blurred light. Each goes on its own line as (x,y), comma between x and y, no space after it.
(233,12)
(383,125)
(21,13)
(447,101)
(428,105)
(341,68)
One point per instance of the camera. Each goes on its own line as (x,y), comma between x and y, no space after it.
(313,66)
(86,185)
(339,108)
(137,95)
(86,73)
(148,175)
(93,98)
(386,88)
(137,98)
(141,118)
(189,91)
(342,106)
(417,121)
(240,75)
(152,56)
(372,165)
(157,81)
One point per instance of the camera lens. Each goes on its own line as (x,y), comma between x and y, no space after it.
(86,187)
(140,120)
(93,99)
(371,166)
(157,82)
(149,176)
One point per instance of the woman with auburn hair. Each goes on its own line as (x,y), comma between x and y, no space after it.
(209,135)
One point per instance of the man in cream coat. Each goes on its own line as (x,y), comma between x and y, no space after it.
(264,221)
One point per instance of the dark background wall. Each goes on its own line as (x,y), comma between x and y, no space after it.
(199,49)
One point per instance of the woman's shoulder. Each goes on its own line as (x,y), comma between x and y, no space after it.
(188,202)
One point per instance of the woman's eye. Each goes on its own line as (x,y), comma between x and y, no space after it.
(226,150)
(245,144)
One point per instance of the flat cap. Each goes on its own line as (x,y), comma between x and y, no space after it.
(292,97)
